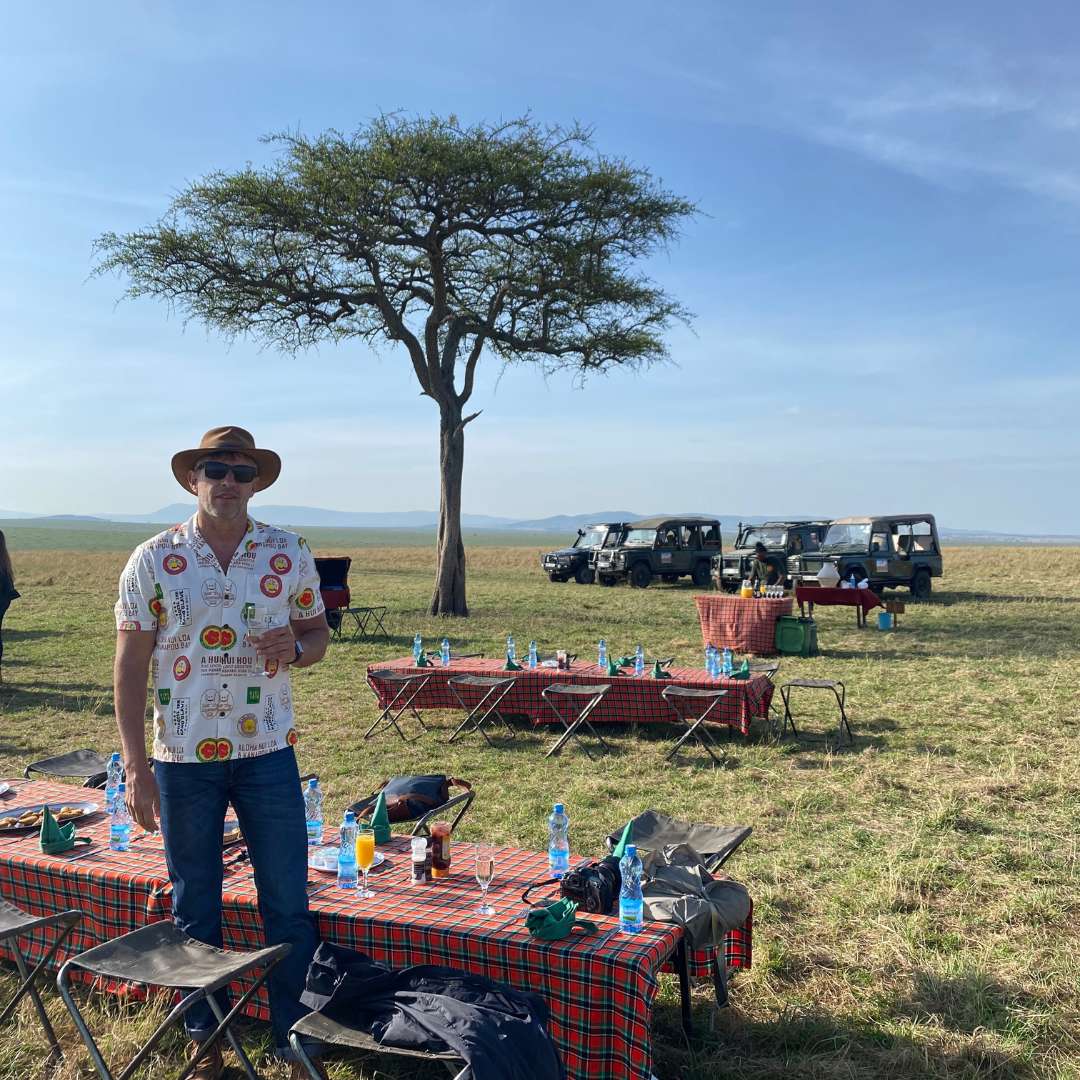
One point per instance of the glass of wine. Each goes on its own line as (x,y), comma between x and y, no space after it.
(365,857)
(485,871)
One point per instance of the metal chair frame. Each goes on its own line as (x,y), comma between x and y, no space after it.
(362,616)
(496,690)
(568,690)
(464,800)
(388,718)
(839,692)
(267,958)
(11,933)
(695,727)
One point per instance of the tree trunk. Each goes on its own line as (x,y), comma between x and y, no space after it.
(449,596)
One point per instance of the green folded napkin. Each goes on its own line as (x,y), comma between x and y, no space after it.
(619,850)
(625,661)
(423,661)
(742,672)
(380,820)
(56,839)
(510,665)
(658,671)
(613,667)
(555,921)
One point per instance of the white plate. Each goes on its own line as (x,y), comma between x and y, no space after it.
(5,787)
(324,859)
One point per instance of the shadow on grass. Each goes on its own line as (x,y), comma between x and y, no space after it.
(63,697)
(28,635)
(947,599)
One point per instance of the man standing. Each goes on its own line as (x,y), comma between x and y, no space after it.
(763,570)
(219,610)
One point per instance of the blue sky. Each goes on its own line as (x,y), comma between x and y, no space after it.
(884,273)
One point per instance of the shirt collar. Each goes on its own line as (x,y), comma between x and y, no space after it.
(188,532)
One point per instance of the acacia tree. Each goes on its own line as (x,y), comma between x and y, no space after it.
(511,239)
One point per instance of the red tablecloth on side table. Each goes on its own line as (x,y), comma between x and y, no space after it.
(744,625)
(600,988)
(817,594)
(631,699)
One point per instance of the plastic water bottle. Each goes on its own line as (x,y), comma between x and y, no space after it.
(120,821)
(346,860)
(558,841)
(631,904)
(114,774)
(313,797)
(728,669)
(511,649)
(532,654)
(639,660)
(601,655)
(444,652)
(417,647)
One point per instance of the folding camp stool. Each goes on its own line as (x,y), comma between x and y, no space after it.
(317,1026)
(362,618)
(495,689)
(838,691)
(567,692)
(16,923)
(161,955)
(770,669)
(408,686)
(682,698)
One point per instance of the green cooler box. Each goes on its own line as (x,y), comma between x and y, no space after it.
(796,637)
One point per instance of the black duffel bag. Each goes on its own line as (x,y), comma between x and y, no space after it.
(411,797)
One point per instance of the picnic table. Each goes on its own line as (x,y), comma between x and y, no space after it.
(631,700)
(742,624)
(599,988)
(863,600)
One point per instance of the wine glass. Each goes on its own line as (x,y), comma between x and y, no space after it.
(259,619)
(365,857)
(485,871)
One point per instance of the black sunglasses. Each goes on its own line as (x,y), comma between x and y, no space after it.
(218,470)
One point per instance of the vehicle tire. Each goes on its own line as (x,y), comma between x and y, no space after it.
(669,579)
(584,575)
(701,576)
(640,575)
(877,590)
(556,577)
(920,585)
(607,579)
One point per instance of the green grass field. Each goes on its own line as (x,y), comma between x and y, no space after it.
(916,897)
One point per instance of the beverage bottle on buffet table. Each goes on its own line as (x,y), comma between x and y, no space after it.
(728,668)
(419,860)
(710,660)
(532,654)
(346,860)
(440,849)
(639,660)
(444,652)
(558,841)
(114,773)
(313,798)
(417,647)
(601,658)
(120,821)
(631,904)
(511,648)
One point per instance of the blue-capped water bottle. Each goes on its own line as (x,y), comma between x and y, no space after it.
(558,841)
(346,860)
(532,654)
(417,647)
(511,648)
(114,774)
(601,655)
(313,798)
(727,666)
(631,904)
(639,660)
(120,821)
(444,652)
(709,660)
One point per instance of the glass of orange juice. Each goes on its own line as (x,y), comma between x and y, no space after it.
(365,856)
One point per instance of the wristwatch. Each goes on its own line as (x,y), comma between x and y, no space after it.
(299,650)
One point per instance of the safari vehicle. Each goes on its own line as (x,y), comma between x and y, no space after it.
(888,551)
(664,547)
(782,539)
(579,560)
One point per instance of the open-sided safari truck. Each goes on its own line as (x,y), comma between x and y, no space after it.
(782,539)
(889,551)
(578,561)
(664,547)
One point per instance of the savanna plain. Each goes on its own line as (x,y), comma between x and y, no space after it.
(916,896)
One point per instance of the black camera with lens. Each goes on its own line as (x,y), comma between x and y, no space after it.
(594,886)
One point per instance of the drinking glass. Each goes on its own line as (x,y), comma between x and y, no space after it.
(365,857)
(485,871)
(260,618)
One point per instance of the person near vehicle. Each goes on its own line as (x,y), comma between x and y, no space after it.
(219,610)
(763,569)
(8,592)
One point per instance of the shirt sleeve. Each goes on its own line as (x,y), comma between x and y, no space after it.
(306,600)
(138,594)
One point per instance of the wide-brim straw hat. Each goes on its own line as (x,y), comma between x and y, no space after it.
(228,440)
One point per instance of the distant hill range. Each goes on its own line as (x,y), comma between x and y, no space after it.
(561,524)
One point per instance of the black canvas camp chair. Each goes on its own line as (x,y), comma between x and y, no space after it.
(686,703)
(492,690)
(86,765)
(161,955)
(582,700)
(14,924)
(407,686)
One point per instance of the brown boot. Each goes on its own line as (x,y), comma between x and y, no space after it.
(211,1066)
(299,1072)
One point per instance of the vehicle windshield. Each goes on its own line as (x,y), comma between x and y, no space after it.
(640,536)
(847,538)
(591,538)
(771,538)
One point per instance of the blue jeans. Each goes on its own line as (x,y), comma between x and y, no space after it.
(265,792)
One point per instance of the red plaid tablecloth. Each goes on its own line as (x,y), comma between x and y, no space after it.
(742,625)
(817,594)
(600,989)
(631,700)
